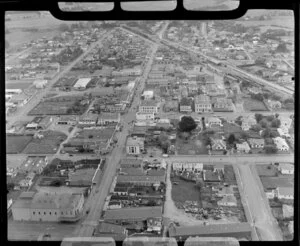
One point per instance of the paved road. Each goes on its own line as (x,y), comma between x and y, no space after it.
(263,219)
(97,199)
(33,102)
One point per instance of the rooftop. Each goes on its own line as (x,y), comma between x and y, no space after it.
(142,213)
(141,178)
(149,103)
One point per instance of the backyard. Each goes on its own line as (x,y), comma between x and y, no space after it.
(16,144)
(254,105)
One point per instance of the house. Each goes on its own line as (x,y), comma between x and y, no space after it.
(163,123)
(281,144)
(186,104)
(285,193)
(154,225)
(228,201)
(40,84)
(132,215)
(148,106)
(148,117)
(41,206)
(236,230)
(256,144)
(218,145)
(82,83)
(211,177)
(231,119)
(114,205)
(283,132)
(285,121)
(247,122)
(67,120)
(187,166)
(213,121)
(105,119)
(121,191)
(148,95)
(171,106)
(286,168)
(134,145)
(202,104)
(222,104)
(243,147)
(225,191)
(88,120)
(117,232)
(287,211)
(274,104)
(219,167)
(270,193)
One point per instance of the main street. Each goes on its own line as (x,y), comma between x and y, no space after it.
(100,191)
(22,112)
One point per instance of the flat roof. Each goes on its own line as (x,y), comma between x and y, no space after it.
(83,82)
(142,213)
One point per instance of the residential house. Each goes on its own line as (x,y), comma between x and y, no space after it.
(105,119)
(283,132)
(188,166)
(186,104)
(211,177)
(286,168)
(67,120)
(274,104)
(154,225)
(222,104)
(285,193)
(228,201)
(213,121)
(287,211)
(114,205)
(88,120)
(41,206)
(134,145)
(148,106)
(225,191)
(281,144)
(218,146)
(242,147)
(285,121)
(202,104)
(256,144)
(171,106)
(247,122)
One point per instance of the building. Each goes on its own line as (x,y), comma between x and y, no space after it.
(40,84)
(286,168)
(171,106)
(186,104)
(243,147)
(213,121)
(40,206)
(67,120)
(148,106)
(88,120)
(285,121)
(148,95)
(134,145)
(105,119)
(281,144)
(82,83)
(222,104)
(247,122)
(132,215)
(225,191)
(187,166)
(285,193)
(34,164)
(256,144)
(148,117)
(117,232)
(141,180)
(211,177)
(236,230)
(202,104)
(130,162)
(218,145)
(274,104)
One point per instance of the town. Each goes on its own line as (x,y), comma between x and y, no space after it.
(171,129)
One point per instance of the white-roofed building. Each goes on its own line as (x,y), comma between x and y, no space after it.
(148,95)
(40,84)
(286,168)
(82,83)
(281,144)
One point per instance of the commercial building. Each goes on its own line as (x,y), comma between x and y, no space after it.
(141,180)
(108,118)
(82,83)
(148,95)
(141,116)
(40,206)
(134,145)
(148,106)
(202,104)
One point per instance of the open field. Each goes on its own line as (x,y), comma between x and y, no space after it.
(46,145)
(16,144)
(254,105)
(266,170)
(51,108)
(14,161)
(191,147)
(18,85)
(274,182)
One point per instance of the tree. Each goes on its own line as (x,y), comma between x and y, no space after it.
(258,97)
(64,27)
(266,133)
(10,186)
(282,48)
(256,128)
(275,123)
(260,61)
(231,139)
(270,117)
(270,149)
(264,123)
(258,117)
(187,124)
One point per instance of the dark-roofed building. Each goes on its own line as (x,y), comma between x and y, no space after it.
(139,214)
(141,180)
(117,232)
(236,230)
(131,162)
(132,171)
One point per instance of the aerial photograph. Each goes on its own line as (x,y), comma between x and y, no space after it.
(171,130)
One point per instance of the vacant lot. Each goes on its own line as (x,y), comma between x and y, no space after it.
(191,147)
(274,182)
(266,170)
(51,108)
(254,105)
(17,85)
(184,191)
(16,144)
(47,144)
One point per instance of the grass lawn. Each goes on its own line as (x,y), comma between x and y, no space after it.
(17,85)
(16,144)
(254,105)
(184,191)
(263,170)
(191,147)
(46,145)
(274,182)
(229,175)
